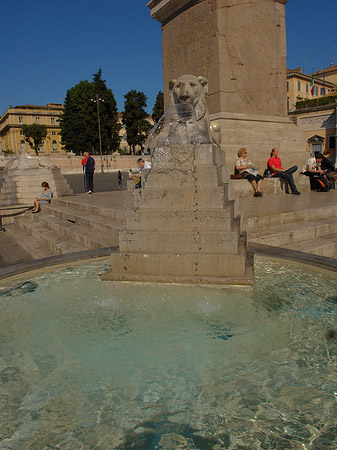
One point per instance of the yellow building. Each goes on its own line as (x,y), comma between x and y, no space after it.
(298,87)
(11,135)
(319,126)
(124,146)
(330,74)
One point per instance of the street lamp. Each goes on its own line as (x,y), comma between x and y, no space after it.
(97,100)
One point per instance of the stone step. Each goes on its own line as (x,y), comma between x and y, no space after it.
(198,220)
(281,236)
(180,199)
(77,233)
(171,267)
(179,242)
(56,243)
(263,222)
(28,242)
(117,214)
(103,224)
(324,246)
(268,186)
(210,176)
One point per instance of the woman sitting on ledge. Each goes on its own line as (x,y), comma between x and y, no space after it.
(46,197)
(247,170)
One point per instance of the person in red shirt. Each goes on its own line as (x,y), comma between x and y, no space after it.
(88,164)
(275,165)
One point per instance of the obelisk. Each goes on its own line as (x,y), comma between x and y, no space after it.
(240,47)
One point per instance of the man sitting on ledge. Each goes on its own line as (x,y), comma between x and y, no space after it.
(274,164)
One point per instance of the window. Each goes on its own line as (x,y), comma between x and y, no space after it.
(332,142)
(23,145)
(20,119)
(307,88)
(299,86)
(40,148)
(316,148)
(315,90)
(21,133)
(322,91)
(37,119)
(53,133)
(52,120)
(287,86)
(54,146)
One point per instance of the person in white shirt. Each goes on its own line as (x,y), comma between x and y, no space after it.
(247,170)
(315,172)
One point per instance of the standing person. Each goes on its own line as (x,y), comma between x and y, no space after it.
(247,170)
(275,165)
(88,164)
(46,197)
(120,179)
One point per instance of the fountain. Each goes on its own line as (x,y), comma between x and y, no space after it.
(183,227)
(91,365)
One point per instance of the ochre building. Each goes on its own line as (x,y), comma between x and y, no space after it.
(11,135)
(299,87)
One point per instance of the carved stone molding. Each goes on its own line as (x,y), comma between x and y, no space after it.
(327,121)
(164,10)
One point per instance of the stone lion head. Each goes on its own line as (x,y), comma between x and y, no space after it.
(192,90)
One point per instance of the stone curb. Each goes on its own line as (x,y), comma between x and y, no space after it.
(17,269)
(292,255)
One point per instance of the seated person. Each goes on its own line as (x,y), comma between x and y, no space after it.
(316,173)
(328,164)
(46,197)
(275,165)
(247,170)
(144,166)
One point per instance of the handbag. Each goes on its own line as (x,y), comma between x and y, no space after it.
(268,174)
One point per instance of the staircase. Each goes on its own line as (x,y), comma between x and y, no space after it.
(18,186)
(67,226)
(310,230)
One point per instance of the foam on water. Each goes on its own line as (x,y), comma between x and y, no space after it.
(92,365)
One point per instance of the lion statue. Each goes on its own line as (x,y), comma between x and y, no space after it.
(192,90)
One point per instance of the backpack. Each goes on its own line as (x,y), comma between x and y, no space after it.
(322,184)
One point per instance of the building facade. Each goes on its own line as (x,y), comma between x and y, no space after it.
(11,135)
(329,74)
(317,117)
(299,87)
(319,127)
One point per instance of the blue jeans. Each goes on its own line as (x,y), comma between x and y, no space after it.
(289,179)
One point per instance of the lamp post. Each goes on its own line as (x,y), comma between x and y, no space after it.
(97,100)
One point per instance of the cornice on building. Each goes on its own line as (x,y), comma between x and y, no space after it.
(329,107)
(165,10)
(327,71)
(303,76)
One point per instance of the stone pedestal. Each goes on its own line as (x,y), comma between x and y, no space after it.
(183,228)
(240,47)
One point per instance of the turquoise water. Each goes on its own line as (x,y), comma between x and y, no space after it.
(87,365)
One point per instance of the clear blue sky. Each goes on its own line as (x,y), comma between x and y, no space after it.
(48,47)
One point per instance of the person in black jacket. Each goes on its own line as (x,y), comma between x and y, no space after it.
(88,164)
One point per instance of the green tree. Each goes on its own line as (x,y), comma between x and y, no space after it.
(134,119)
(35,135)
(158,108)
(79,122)
(109,124)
